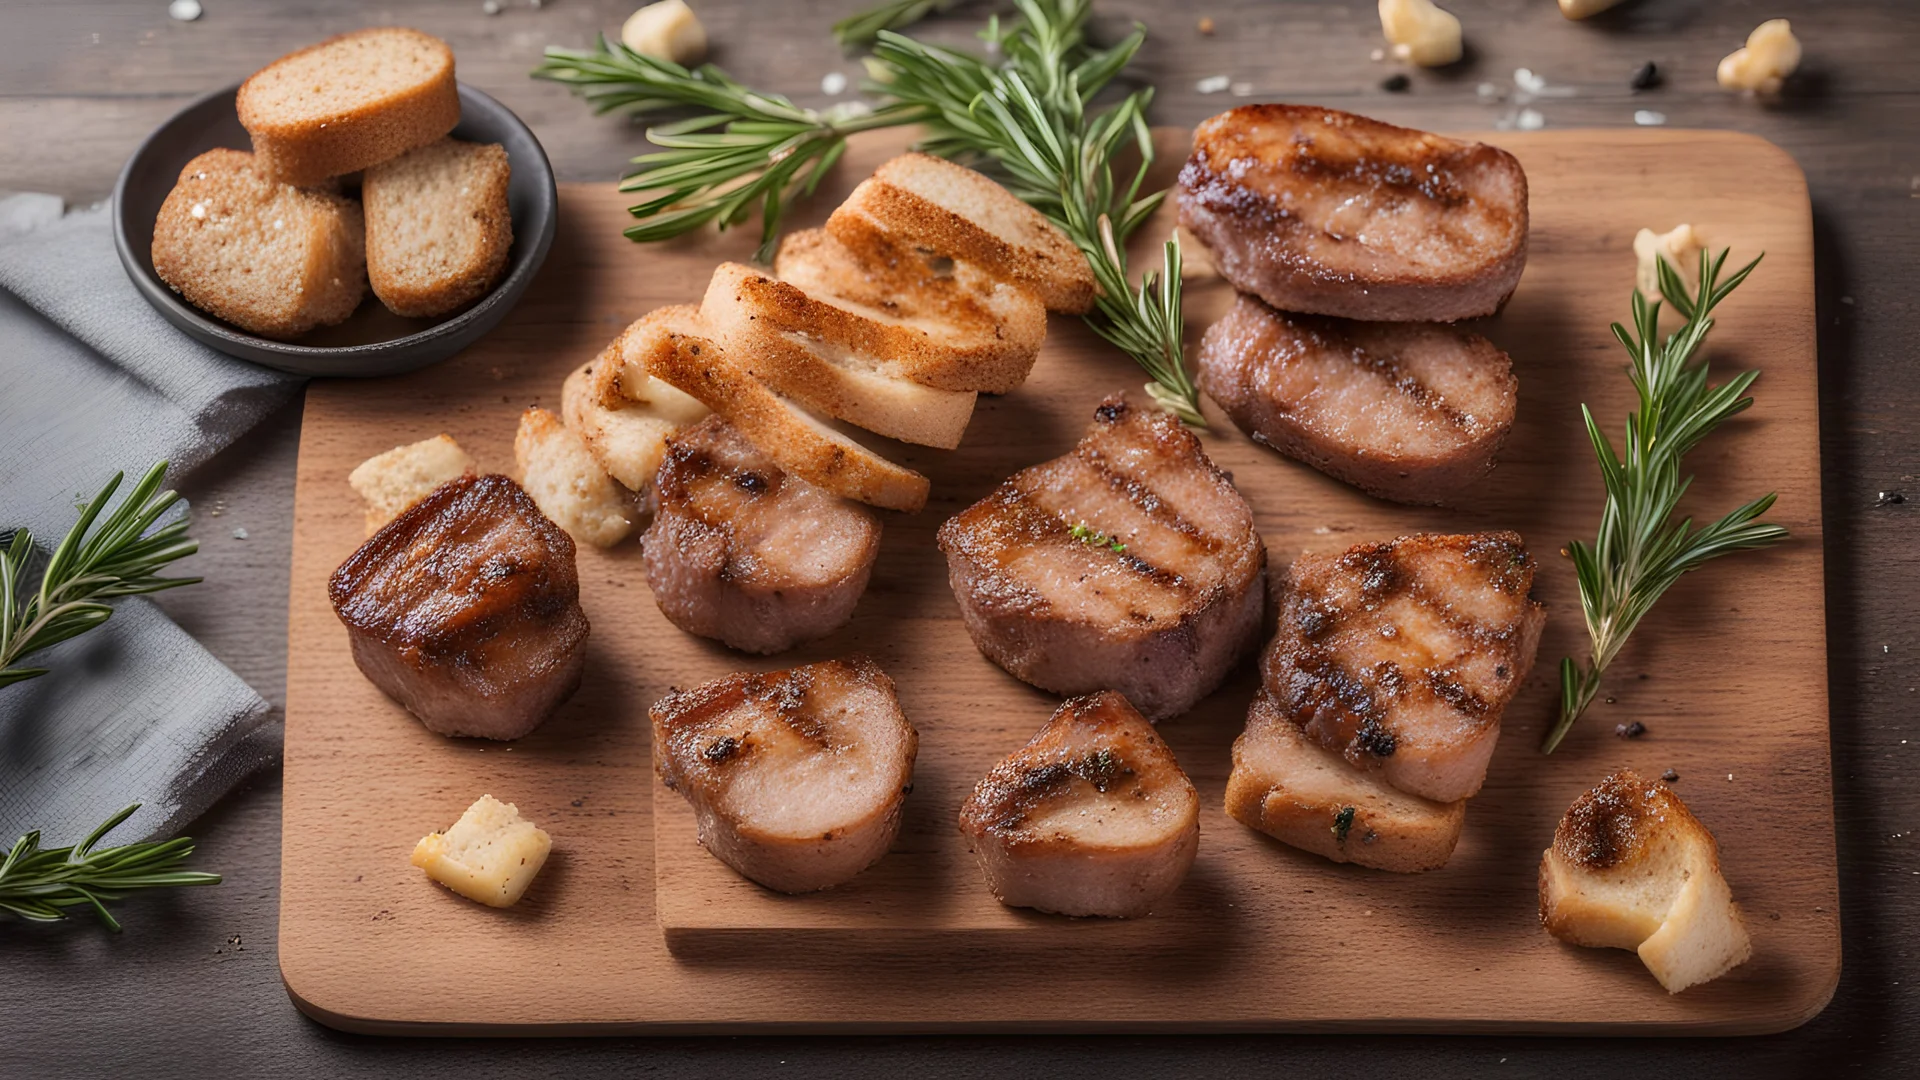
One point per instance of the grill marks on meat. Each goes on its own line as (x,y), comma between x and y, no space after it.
(745,553)
(1093,816)
(1323,211)
(466,610)
(1403,654)
(1158,605)
(797,777)
(1412,412)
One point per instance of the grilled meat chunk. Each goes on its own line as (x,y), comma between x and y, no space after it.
(1293,789)
(1322,211)
(1130,564)
(797,777)
(1632,868)
(1093,816)
(742,552)
(466,610)
(1402,654)
(1412,412)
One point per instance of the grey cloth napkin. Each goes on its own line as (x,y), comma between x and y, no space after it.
(94,381)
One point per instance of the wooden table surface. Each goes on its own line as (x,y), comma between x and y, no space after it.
(193,986)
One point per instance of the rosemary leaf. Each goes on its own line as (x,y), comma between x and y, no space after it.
(1641,550)
(41,885)
(864,27)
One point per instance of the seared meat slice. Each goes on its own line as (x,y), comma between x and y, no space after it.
(1318,210)
(1412,412)
(1290,787)
(796,777)
(466,610)
(1130,564)
(1092,817)
(1402,654)
(743,552)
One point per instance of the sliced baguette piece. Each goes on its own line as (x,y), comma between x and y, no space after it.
(834,380)
(629,436)
(271,259)
(672,344)
(438,227)
(1297,791)
(349,102)
(404,475)
(956,213)
(567,484)
(955,348)
(1632,868)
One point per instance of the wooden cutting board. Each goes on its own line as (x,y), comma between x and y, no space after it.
(1729,676)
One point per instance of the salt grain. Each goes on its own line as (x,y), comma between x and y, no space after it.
(1530,120)
(199,210)
(184,10)
(1528,81)
(1377,55)
(833,83)
(239,534)
(1213,84)
(1649,118)
(491,7)
(1242,89)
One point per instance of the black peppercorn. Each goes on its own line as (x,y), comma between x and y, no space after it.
(1647,77)
(1396,84)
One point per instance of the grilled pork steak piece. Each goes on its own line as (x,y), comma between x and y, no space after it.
(1130,564)
(743,552)
(796,777)
(466,610)
(1402,654)
(1319,210)
(1412,412)
(1293,789)
(1092,817)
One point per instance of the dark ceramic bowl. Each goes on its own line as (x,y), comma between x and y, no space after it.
(374,341)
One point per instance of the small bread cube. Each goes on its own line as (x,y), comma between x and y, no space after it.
(490,855)
(1632,868)
(627,435)
(568,485)
(404,475)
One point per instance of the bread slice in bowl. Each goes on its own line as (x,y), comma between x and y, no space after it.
(438,226)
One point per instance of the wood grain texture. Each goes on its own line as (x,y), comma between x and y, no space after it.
(1453,950)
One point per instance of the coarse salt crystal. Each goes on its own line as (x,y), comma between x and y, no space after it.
(1213,84)
(833,82)
(279,223)
(1649,118)
(1242,89)
(1530,120)
(199,210)
(183,10)
(1528,81)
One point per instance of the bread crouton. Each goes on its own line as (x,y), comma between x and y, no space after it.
(627,436)
(404,475)
(490,855)
(1632,868)
(568,485)
(1295,790)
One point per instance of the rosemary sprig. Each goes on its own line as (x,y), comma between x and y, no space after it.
(896,15)
(41,885)
(1024,116)
(1640,550)
(1027,115)
(739,152)
(90,566)
(1093,537)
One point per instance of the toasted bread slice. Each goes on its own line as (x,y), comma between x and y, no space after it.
(266,257)
(349,102)
(1321,211)
(404,475)
(934,347)
(922,201)
(842,383)
(438,227)
(672,344)
(627,435)
(567,483)
(1632,868)
(1295,790)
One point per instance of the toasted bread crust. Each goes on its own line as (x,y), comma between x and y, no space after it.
(1266,182)
(904,200)
(671,344)
(305,146)
(423,281)
(1294,790)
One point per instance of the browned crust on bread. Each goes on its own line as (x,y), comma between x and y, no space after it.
(1041,259)
(673,346)
(306,150)
(1256,240)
